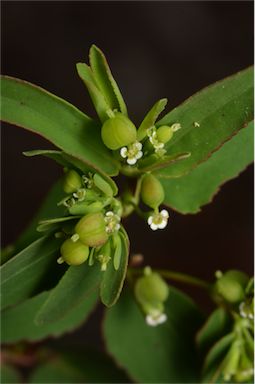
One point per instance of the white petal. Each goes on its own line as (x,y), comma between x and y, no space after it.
(131,161)
(162,318)
(151,321)
(159,145)
(175,127)
(109,213)
(164,213)
(123,152)
(163,224)
(150,219)
(139,146)
(139,155)
(154,321)
(154,227)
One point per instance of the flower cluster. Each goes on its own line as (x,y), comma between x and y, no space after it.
(93,219)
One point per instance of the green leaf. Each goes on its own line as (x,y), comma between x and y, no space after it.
(18,322)
(35,109)
(9,374)
(151,118)
(49,224)
(105,81)
(162,354)
(216,326)
(100,103)
(21,276)
(215,357)
(76,286)
(68,161)
(208,119)
(112,281)
(188,193)
(78,366)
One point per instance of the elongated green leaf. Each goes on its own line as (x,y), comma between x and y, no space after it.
(105,81)
(54,224)
(78,365)
(208,119)
(22,275)
(112,281)
(215,327)
(68,161)
(98,100)
(77,284)
(188,193)
(18,323)
(216,355)
(162,354)
(35,109)
(151,118)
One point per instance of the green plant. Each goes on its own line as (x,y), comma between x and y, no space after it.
(54,275)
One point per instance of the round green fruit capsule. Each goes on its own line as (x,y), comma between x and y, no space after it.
(118,131)
(231,286)
(92,230)
(151,288)
(152,192)
(72,181)
(74,253)
(164,134)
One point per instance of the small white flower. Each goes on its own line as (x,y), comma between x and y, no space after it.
(153,321)
(245,311)
(80,194)
(112,222)
(103,260)
(158,146)
(175,127)
(158,220)
(132,153)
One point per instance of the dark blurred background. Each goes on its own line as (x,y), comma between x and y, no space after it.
(155,49)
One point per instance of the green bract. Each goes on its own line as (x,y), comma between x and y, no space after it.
(118,131)
(74,253)
(92,230)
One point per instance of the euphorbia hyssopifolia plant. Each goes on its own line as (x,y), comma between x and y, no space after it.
(77,248)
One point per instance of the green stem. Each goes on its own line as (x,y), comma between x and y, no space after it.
(176,276)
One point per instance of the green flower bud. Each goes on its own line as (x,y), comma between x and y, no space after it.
(74,253)
(151,288)
(152,192)
(231,286)
(164,134)
(118,131)
(91,229)
(72,181)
